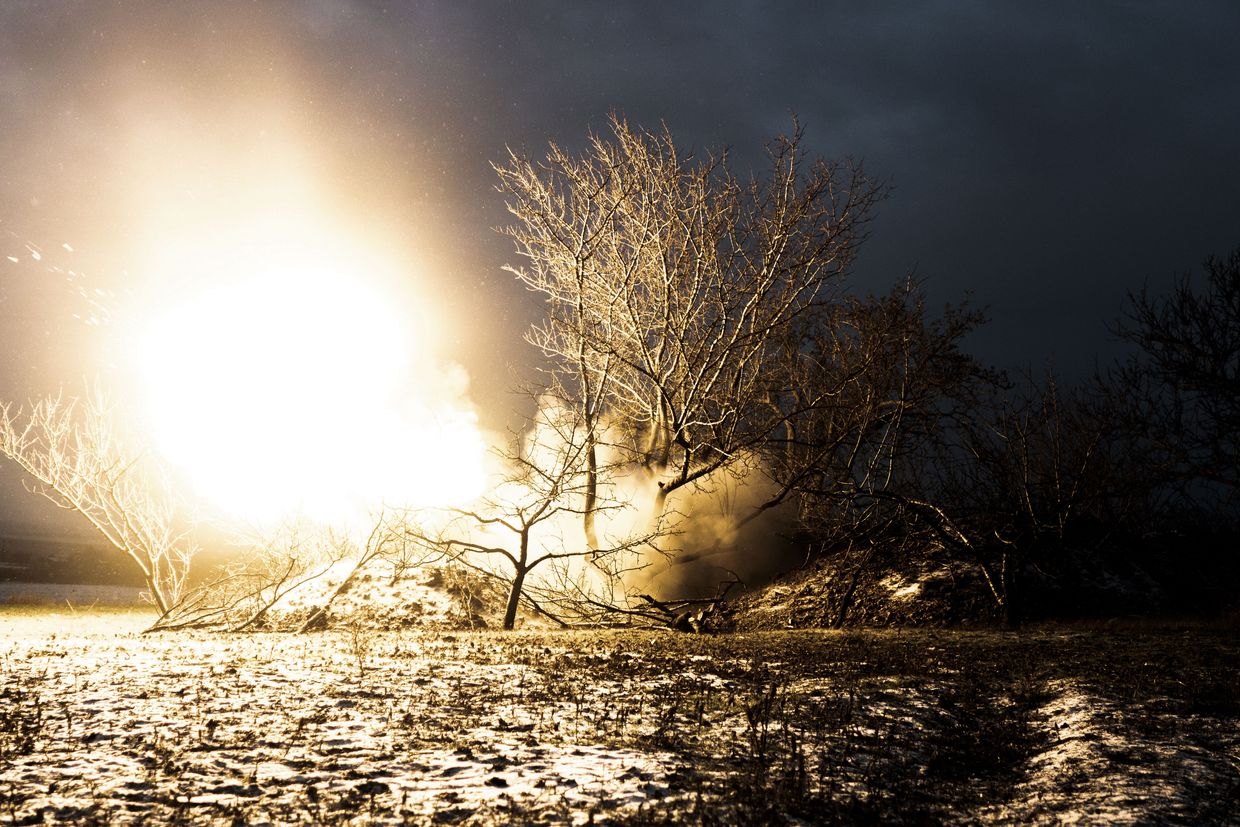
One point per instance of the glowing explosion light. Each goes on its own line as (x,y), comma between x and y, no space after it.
(289,377)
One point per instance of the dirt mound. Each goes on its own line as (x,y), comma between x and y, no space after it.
(444,597)
(837,592)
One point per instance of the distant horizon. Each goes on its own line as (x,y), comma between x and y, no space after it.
(22,529)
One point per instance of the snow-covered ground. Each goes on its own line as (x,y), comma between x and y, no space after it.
(100,722)
(280,726)
(1091,769)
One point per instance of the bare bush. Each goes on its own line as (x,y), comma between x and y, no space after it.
(299,560)
(1183,388)
(1034,478)
(75,454)
(866,393)
(241,593)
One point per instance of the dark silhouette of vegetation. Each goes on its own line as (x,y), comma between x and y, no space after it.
(1185,381)
(700,325)
(700,337)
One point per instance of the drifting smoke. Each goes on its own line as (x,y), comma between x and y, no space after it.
(702,536)
(721,536)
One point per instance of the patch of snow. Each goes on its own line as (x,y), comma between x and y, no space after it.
(900,588)
(1090,772)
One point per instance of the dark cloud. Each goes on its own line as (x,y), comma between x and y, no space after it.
(1045,156)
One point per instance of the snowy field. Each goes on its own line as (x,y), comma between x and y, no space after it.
(101,724)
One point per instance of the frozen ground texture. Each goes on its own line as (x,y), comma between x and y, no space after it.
(100,724)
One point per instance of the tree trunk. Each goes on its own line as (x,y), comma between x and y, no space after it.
(660,508)
(591,489)
(588,411)
(1001,588)
(518,581)
(150,569)
(1011,603)
(157,594)
(514,599)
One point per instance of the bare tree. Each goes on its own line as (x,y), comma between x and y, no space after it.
(74,452)
(531,518)
(866,392)
(672,287)
(1184,386)
(874,397)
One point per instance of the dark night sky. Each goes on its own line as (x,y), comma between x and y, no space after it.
(1044,156)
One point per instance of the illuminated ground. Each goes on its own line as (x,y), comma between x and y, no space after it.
(101,724)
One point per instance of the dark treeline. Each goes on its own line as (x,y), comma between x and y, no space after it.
(1112,495)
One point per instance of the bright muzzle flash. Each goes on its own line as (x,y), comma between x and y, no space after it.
(291,376)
